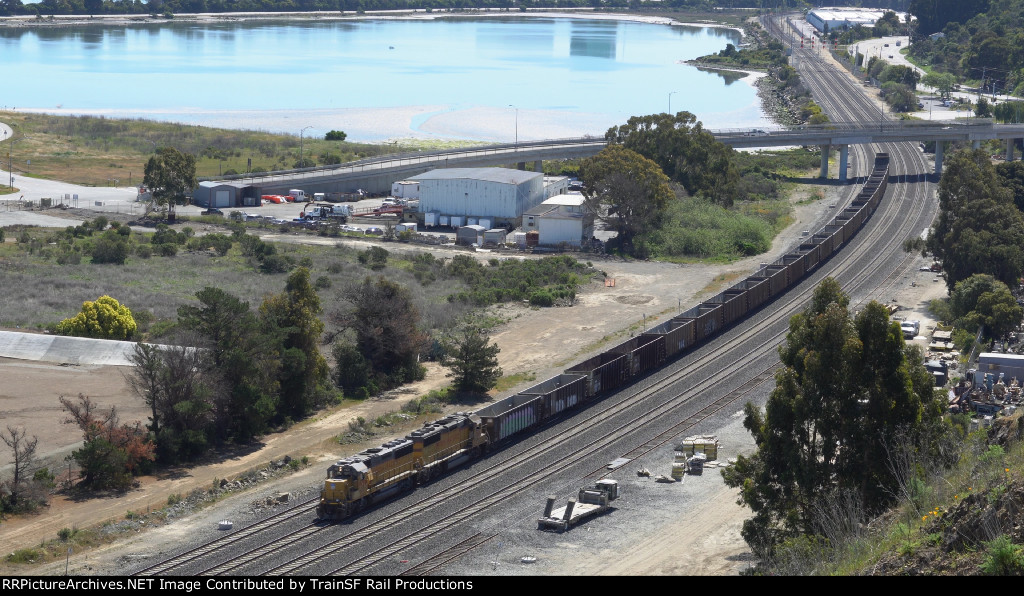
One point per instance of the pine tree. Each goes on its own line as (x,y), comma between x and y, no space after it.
(472,360)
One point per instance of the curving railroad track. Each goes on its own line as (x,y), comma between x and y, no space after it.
(632,422)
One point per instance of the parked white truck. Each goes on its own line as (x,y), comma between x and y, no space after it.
(911,329)
(327,212)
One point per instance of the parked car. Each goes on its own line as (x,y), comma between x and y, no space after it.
(373,231)
(213,211)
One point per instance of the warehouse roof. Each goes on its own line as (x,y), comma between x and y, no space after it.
(555,212)
(219,183)
(500,175)
(853,16)
(570,200)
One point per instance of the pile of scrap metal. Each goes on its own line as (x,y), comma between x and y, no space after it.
(986,396)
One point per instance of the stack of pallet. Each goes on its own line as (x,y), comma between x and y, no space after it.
(706,444)
(679,465)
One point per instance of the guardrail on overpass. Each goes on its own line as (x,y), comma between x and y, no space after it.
(377,173)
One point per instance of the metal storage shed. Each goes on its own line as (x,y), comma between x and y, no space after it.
(215,194)
(495,236)
(470,235)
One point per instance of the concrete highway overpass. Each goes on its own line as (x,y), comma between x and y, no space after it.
(376,174)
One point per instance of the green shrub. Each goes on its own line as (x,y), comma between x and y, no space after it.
(64,534)
(275,263)
(542,298)
(1003,557)
(44,478)
(698,228)
(375,257)
(167,249)
(24,555)
(110,248)
(69,257)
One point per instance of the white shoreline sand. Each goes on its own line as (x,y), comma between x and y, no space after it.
(419,14)
(371,125)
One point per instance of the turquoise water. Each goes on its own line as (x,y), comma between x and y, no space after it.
(494,79)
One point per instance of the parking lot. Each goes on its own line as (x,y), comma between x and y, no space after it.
(290,213)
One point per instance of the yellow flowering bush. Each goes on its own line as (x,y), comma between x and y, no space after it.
(105,318)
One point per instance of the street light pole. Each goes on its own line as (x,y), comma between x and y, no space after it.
(517,124)
(300,144)
(670,93)
(10,159)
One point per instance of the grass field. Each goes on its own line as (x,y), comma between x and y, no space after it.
(97,151)
(39,292)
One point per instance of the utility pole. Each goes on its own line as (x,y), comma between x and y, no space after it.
(517,124)
(300,144)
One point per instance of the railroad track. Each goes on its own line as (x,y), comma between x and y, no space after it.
(880,238)
(366,562)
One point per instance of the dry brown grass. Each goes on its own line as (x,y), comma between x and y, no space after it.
(96,151)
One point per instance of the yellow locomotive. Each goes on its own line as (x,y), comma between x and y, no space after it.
(399,465)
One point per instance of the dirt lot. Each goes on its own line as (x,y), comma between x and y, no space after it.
(535,341)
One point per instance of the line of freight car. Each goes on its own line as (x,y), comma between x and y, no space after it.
(614,368)
(399,465)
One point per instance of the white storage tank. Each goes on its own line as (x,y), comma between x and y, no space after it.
(486,222)
(519,238)
(442,220)
(472,221)
(430,219)
(457,221)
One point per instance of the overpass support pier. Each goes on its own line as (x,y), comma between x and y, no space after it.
(938,158)
(824,160)
(844,161)
(1009,149)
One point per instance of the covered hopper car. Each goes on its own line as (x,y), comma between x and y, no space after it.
(399,465)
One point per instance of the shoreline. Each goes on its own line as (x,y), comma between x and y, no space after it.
(51,21)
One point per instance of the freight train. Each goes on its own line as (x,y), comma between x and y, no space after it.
(399,465)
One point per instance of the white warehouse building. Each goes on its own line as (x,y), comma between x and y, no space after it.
(559,220)
(829,19)
(501,194)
